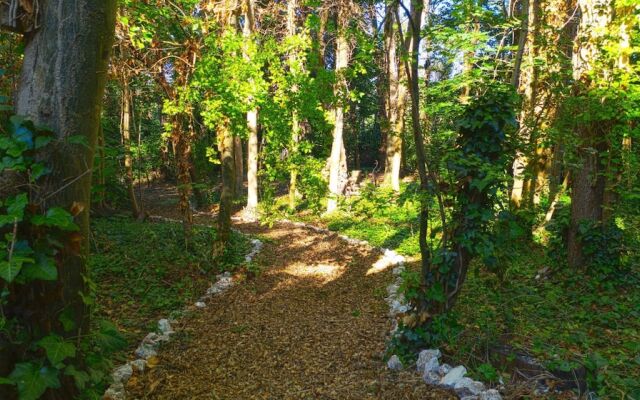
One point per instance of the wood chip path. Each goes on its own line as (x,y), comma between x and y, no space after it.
(312,325)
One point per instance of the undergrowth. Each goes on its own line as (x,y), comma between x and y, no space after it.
(143,271)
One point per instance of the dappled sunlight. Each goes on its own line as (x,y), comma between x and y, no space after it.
(381,265)
(321,272)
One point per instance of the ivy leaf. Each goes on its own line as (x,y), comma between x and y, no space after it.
(17,205)
(57,348)
(56,217)
(43,269)
(10,269)
(80,377)
(32,380)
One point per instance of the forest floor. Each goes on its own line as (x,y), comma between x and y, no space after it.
(311,324)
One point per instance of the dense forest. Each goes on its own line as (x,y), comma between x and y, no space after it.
(489,145)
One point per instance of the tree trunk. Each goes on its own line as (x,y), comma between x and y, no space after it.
(337,161)
(182,149)
(226,147)
(252,163)
(239,167)
(588,183)
(396,105)
(252,124)
(125,129)
(61,87)
(295,123)
(528,82)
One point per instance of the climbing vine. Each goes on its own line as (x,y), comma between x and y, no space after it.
(41,354)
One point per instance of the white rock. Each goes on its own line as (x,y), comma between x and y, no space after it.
(146,351)
(200,304)
(138,365)
(398,270)
(469,385)
(392,289)
(431,378)
(444,369)
(453,376)
(490,394)
(394,363)
(115,392)
(425,357)
(165,327)
(122,373)
(472,397)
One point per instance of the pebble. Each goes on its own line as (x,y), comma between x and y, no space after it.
(394,363)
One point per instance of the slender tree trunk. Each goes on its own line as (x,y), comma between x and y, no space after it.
(525,187)
(61,87)
(295,123)
(239,166)
(397,94)
(226,148)
(411,67)
(252,163)
(125,130)
(182,150)
(252,125)
(337,161)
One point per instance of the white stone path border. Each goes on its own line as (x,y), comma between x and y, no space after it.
(149,346)
(428,364)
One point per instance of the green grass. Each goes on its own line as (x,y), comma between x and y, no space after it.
(565,320)
(144,272)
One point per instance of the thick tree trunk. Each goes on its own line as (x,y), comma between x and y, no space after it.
(337,161)
(61,87)
(588,183)
(125,129)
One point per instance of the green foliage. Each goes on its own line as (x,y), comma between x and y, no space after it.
(30,249)
(143,272)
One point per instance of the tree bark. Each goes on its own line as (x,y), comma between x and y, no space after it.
(252,125)
(337,161)
(125,129)
(396,104)
(295,123)
(239,166)
(226,147)
(61,87)
(588,183)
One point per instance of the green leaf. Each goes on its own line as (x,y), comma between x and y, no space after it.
(80,377)
(6,381)
(109,338)
(43,269)
(66,319)
(56,217)
(57,348)
(17,205)
(42,141)
(78,139)
(32,380)
(10,269)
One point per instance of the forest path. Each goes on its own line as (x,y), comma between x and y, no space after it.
(312,325)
